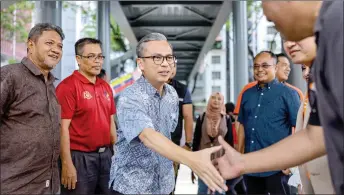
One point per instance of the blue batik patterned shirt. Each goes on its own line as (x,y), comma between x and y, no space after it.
(135,168)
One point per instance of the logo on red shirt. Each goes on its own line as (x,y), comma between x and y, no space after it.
(87,95)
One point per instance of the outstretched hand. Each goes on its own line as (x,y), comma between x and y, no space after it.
(200,163)
(231,164)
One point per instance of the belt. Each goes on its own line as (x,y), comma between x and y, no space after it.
(98,150)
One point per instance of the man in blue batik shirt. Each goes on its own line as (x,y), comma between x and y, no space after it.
(267,115)
(147,115)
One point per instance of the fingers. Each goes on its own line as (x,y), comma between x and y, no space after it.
(224,144)
(216,177)
(73,182)
(214,149)
(211,185)
(69,183)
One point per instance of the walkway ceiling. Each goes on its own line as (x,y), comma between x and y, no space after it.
(190,26)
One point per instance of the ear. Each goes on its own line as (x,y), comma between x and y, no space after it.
(78,59)
(30,45)
(139,62)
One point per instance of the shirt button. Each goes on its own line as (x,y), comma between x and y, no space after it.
(268,87)
(255,116)
(252,142)
(262,94)
(258,105)
(252,129)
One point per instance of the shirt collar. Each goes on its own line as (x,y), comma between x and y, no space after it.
(152,91)
(83,79)
(268,85)
(35,70)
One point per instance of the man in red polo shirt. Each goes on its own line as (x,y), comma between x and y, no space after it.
(87,126)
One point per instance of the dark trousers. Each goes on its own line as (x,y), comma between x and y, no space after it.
(273,184)
(93,173)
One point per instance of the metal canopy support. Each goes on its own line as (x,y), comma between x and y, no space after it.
(50,12)
(221,18)
(103,22)
(240,46)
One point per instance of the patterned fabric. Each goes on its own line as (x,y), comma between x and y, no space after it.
(135,168)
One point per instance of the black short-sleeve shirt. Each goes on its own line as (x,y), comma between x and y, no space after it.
(328,75)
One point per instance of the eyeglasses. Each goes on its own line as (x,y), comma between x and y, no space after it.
(158,60)
(264,66)
(92,57)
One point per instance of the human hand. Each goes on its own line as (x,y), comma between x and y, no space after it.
(200,163)
(68,177)
(231,164)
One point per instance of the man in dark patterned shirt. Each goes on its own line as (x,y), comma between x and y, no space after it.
(30,116)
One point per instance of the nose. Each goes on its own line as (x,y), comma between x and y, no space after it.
(164,62)
(56,50)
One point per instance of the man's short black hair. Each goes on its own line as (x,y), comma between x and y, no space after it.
(102,74)
(268,52)
(281,55)
(230,107)
(79,45)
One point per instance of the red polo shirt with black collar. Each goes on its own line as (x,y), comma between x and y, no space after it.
(89,106)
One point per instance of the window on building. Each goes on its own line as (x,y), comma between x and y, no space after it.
(217,45)
(216,89)
(272,45)
(271,30)
(216,75)
(215,59)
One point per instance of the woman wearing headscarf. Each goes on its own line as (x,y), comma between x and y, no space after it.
(209,126)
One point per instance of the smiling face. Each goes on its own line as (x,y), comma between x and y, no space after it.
(154,53)
(302,52)
(282,69)
(46,51)
(264,68)
(90,60)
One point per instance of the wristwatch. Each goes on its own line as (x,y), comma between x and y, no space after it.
(189,144)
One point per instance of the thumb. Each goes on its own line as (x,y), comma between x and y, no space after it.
(214,149)
(224,144)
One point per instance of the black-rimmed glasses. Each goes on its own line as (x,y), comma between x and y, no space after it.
(264,66)
(158,60)
(92,57)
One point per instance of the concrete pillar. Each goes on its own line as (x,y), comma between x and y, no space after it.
(240,46)
(103,24)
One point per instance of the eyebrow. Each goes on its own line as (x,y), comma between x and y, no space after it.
(158,54)
(95,54)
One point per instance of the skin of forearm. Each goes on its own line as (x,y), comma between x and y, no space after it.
(188,126)
(162,145)
(241,139)
(65,145)
(294,150)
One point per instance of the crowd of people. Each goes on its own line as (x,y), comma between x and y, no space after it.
(275,139)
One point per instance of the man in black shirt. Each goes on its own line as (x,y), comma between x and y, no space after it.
(309,143)
(185,112)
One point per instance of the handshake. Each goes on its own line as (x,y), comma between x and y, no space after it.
(214,172)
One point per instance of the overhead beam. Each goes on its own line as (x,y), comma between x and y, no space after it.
(170,24)
(221,18)
(162,2)
(198,13)
(144,14)
(122,21)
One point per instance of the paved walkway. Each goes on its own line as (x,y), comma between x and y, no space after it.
(184,184)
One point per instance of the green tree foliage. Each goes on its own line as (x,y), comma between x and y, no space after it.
(21,11)
(90,29)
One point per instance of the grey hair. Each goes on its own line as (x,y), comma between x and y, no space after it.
(150,37)
(39,28)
